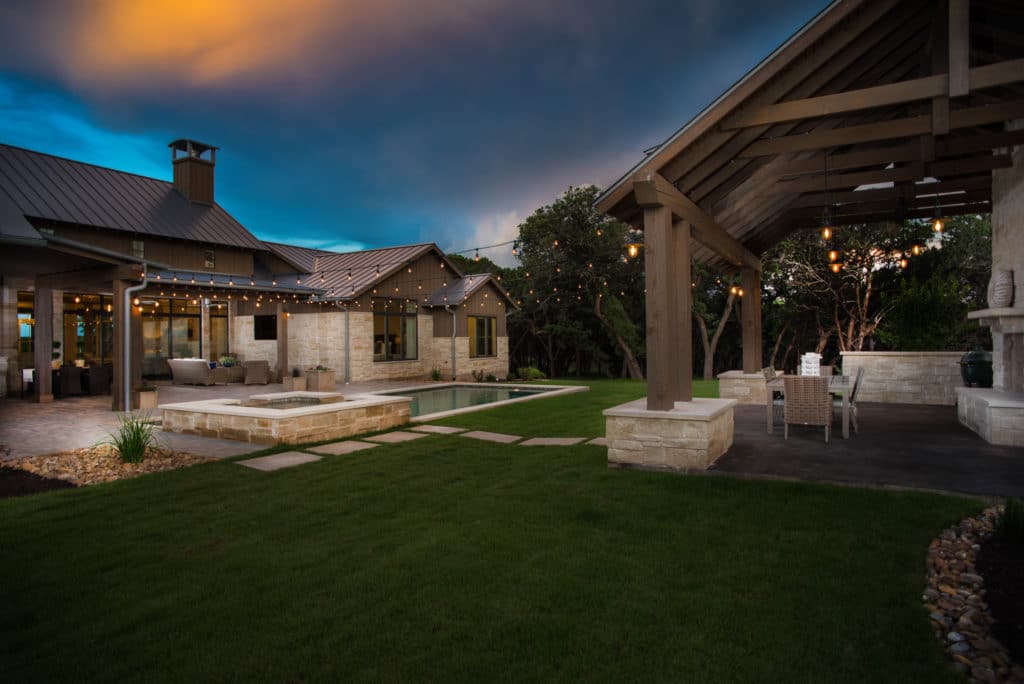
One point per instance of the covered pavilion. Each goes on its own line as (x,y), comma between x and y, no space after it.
(872,112)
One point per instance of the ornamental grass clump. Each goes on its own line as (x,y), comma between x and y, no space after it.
(134,435)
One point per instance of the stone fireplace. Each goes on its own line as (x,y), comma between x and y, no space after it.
(997,414)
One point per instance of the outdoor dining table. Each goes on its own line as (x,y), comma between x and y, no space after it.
(837,384)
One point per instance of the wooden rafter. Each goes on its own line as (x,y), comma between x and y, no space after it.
(653,190)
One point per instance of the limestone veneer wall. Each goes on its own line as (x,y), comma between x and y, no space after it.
(906,377)
(248,349)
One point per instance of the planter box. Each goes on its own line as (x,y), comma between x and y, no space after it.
(290,384)
(147,401)
(320,380)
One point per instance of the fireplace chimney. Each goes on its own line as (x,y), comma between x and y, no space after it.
(193,169)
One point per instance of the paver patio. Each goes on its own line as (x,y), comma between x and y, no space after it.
(395,437)
(552,441)
(491,436)
(437,429)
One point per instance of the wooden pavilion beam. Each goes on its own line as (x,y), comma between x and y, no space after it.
(823,199)
(960,75)
(914,90)
(653,190)
(885,130)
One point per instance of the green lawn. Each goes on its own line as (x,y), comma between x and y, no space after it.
(448,559)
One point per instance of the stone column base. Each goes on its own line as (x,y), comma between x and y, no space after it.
(745,388)
(997,416)
(690,436)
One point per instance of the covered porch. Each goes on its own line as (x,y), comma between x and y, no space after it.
(871,113)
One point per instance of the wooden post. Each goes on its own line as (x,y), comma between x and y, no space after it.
(669,350)
(42,351)
(682,339)
(750,315)
(282,343)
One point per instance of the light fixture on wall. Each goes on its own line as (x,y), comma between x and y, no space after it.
(633,249)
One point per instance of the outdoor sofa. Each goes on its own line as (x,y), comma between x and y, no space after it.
(196,372)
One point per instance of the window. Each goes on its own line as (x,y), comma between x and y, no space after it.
(482,331)
(394,330)
(209,259)
(264,327)
(139,249)
(26,321)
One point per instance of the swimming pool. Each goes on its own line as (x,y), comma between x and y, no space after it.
(436,401)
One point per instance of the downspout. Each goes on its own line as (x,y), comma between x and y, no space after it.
(127,342)
(454,327)
(347,345)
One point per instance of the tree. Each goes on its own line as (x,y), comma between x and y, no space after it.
(576,292)
(713,304)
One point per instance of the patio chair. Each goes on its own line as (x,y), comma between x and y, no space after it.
(777,402)
(838,403)
(257,372)
(70,381)
(807,403)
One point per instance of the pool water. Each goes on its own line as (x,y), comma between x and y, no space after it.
(285,403)
(437,400)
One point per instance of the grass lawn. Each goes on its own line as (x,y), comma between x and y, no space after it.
(450,559)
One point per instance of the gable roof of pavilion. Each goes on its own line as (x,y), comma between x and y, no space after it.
(844,115)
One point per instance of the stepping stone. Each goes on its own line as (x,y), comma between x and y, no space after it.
(600,441)
(438,429)
(395,437)
(552,441)
(340,448)
(491,436)
(278,461)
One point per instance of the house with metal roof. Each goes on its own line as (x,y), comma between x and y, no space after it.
(107,269)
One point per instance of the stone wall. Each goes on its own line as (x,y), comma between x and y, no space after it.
(906,377)
(291,430)
(745,388)
(998,417)
(246,348)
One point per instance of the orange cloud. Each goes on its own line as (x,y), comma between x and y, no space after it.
(114,43)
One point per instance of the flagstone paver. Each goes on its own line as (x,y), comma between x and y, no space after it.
(341,448)
(286,459)
(552,441)
(600,441)
(491,436)
(438,429)
(395,437)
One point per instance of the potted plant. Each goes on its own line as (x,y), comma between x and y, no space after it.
(55,364)
(296,383)
(147,397)
(320,379)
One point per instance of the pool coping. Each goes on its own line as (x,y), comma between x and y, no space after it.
(232,407)
(550,391)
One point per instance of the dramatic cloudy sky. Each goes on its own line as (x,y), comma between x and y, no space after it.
(362,124)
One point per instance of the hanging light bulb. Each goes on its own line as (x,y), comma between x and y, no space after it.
(252,281)
(937,225)
(555,244)
(298,280)
(377,274)
(476,257)
(77,299)
(733,290)
(349,276)
(633,249)
(903,262)
(916,250)
(515,247)
(836,267)
(826,233)
(833,255)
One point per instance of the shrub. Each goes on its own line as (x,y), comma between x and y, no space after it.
(491,377)
(531,373)
(134,435)
(435,373)
(1010,526)
(478,375)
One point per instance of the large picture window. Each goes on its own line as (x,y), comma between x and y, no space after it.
(264,327)
(394,330)
(482,331)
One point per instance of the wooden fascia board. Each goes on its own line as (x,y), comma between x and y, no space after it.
(988,76)
(883,130)
(781,58)
(654,190)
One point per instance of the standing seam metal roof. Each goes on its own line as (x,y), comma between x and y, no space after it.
(43,186)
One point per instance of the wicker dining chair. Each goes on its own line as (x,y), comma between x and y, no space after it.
(769,375)
(825,371)
(807,403)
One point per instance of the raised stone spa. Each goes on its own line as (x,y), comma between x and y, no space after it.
(287,417)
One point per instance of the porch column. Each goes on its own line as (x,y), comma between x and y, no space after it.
(122,374)
(669,309)
(42,351)
(750,316)
(204,330)
(282,343)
